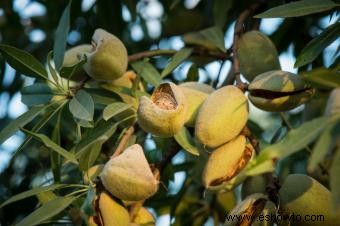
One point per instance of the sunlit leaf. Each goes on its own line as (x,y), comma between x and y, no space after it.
(295,140)
(324,144)
(47,211)
(176,60)
(184,139)
(31,192)
(114,109)
(298,8)
(322,77)
(147,71)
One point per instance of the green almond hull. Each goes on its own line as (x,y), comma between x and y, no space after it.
(257,54)
(302,195)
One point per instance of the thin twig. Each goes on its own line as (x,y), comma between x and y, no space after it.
(122,143)
(168,157)
(238,31)
(169,52)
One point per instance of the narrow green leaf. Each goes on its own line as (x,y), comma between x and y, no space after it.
(335,181)
(60,37)
(176,60)
(220,11)
(54,157)
(49,112)
(23,61)
(103,130)
(295,140)
(82,106)
(193,73)
(147,71)
(114,109)
(102,96)
(31,192)
(52,71)
(90,155)
(38,93)
(50,144)
(324,144)
(184,139)
(21,121)
(46,211)
(322,78)
(299,138)
(215,35)
(298,8)
(317,45)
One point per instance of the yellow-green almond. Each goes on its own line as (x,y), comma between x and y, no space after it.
(225,164)
(257,54)
(126,80)
(221,117)
(112,213)
(269,210)
(144,217)
(198,86)
(195,99)
(302,195)
(91,222)
(72,57)
(46,196)
(109,59)
(92,172)
(278,91)
(128,176)
(225,201)
(165,112)
(254,184)
(333,103)
(253,205)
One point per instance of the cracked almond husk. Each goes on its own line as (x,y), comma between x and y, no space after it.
(224,168)
(165,113)
(278,91)
(109,59)
(253,205)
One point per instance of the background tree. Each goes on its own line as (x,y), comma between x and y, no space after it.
(78,122)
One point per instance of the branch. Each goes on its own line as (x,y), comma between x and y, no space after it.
(238,31)
(175,148)
(122,143)
(166,52)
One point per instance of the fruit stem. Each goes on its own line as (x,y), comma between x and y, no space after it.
(121,146)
